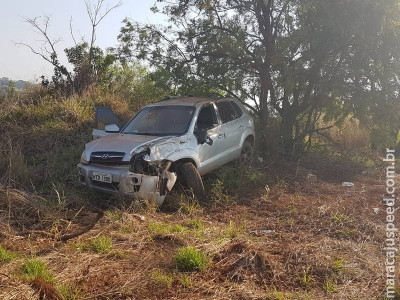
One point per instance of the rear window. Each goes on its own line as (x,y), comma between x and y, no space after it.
(226,111)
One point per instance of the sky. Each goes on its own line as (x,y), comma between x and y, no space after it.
(18,62)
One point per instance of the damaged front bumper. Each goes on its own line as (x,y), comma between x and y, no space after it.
(139,186)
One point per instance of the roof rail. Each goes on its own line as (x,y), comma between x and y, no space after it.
(175,97)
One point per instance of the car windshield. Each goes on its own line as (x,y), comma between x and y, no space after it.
(161,120)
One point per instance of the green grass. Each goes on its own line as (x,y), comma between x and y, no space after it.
(185,281)
(195,224)
(68,292)
(101,244)
(189,259)
(6,256)
(114,215)
(34,268)
(306,278)
(337,266)
(161,228)
(162,278)
(329,286)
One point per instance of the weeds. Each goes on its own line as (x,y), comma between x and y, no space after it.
(162,278)
(337,266)
(218,195)
(159,228)
(346,233)
(5,255)
(185,281)
(68,292)
(101,244)
(114,215)
(188,205)
(234,230)
(35,269)
(267,191)
(340,218)
(189,259)
(329,286)
(306,279)
(195,224)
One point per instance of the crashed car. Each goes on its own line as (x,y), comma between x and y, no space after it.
(178,138)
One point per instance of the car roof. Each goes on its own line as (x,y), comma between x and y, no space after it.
(189,101)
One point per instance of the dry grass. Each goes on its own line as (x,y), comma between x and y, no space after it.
(292,246)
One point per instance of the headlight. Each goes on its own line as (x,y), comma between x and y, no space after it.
(83,160)
(141,164)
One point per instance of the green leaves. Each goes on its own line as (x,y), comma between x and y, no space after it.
(296,58)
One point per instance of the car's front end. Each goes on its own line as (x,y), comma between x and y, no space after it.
(135,162)
(130,173)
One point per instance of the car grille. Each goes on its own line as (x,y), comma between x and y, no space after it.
(110,186)
(106,157)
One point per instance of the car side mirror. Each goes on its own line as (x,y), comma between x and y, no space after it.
(112,128)
(203,138)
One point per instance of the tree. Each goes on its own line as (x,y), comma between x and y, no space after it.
(48,52)
(301,60)
(88,60)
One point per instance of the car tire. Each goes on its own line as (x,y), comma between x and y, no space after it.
(246,153)
(191,178)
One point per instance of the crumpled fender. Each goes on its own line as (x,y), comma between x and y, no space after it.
(147,187)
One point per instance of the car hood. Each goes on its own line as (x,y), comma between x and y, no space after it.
(127,143)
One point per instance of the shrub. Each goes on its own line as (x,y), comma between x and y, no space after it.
(189,259)
(34,269)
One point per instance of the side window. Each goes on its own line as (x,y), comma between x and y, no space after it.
(207,118)
(226,111)
(237,109)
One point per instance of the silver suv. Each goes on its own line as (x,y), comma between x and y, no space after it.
(179,138)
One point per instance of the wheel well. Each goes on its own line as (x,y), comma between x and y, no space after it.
(181,161)
(250,138)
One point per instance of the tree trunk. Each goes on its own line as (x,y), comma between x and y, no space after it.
(287,128)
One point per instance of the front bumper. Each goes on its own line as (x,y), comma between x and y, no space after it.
(139,186)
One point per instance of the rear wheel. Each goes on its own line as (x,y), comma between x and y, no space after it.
(191,178)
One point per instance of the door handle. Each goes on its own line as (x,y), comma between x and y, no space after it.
(221,135)
(241,127)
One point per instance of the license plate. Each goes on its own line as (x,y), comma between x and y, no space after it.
(102,177)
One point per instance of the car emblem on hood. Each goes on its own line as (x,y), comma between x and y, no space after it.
(105,156)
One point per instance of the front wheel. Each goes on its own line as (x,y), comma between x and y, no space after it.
(246,154)
(191,178)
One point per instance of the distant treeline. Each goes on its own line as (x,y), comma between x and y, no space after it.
(17,84)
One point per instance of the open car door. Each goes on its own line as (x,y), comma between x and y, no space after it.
(106,122)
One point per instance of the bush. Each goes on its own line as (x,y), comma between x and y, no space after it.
(189,259)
